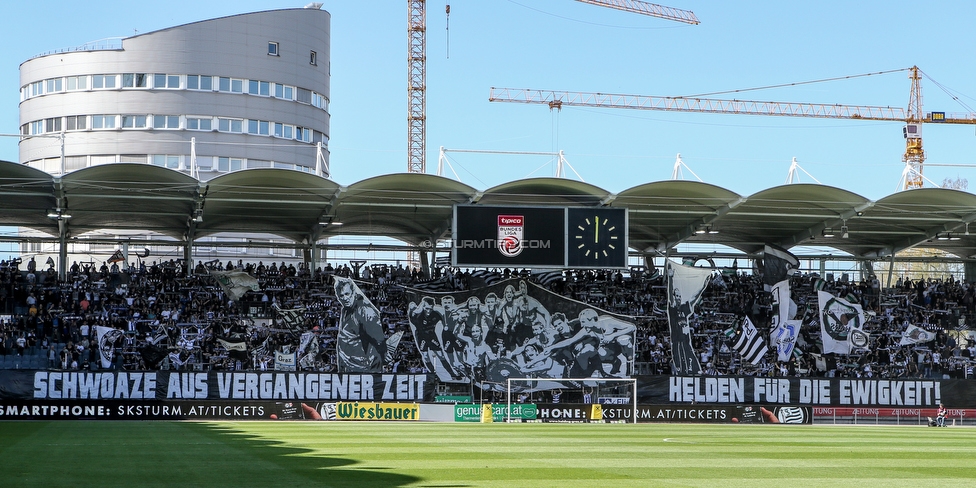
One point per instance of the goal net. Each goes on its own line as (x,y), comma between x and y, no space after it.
(595,391)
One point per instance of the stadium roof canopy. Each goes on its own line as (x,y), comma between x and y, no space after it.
(418,209)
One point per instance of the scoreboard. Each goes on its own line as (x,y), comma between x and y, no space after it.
(547,237)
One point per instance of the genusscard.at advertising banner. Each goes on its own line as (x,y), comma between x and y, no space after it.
(499,411)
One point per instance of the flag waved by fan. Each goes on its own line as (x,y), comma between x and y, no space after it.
(749,344)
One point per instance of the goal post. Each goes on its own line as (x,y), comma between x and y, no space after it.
(547,384)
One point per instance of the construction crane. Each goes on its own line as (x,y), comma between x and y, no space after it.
(912,117)
(417,65)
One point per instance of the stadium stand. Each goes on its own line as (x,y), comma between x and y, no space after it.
(169,319)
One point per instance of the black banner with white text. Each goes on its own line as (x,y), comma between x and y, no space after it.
(234,386)
(840,392)
(147,387)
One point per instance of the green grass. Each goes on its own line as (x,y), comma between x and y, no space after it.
(381,455)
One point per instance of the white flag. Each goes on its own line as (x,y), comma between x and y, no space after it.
(783,338)
(784,330)
(284,361)
(915,335)
(841,324)
(107,337)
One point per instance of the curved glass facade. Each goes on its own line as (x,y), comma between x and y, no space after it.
(237,92)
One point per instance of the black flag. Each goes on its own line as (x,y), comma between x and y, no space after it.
(778,264)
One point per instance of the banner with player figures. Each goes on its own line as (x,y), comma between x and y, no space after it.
(516,329)
(361,344)
(686,284)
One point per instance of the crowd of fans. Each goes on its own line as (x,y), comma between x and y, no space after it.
(169,318)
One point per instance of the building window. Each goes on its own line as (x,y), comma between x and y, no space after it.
(229,164)
(284,131)
(103,121)
(205,164)
(284,91)
(37,127)
(37,88)
(96,160)
(258,127)
(304,96)
(72,163)
(261,88)
(133,158)
(52,125)
(165,81)
(55,85)
(77,82)
(75,122)
(134,122)
(106,82)
(199,123)
(313,58)
(232,85)
(320,101)
(166,161)
(135,80)
(303,134)
(230,125)
(199,82)
(272,48)
(166,121)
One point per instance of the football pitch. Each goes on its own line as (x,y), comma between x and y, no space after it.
(386,455)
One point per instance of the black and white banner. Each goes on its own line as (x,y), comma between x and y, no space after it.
(841,324)
(686,285)
(107,338)
(214,385)
(713,414)
(784,329)
(516,329)
(839,392)
(235,284)
(749,344)
(148,410)
(361,344)
(915,335)
(777,265)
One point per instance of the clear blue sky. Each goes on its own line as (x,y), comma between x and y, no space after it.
(566,45)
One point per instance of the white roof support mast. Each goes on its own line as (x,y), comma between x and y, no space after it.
(561,162)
